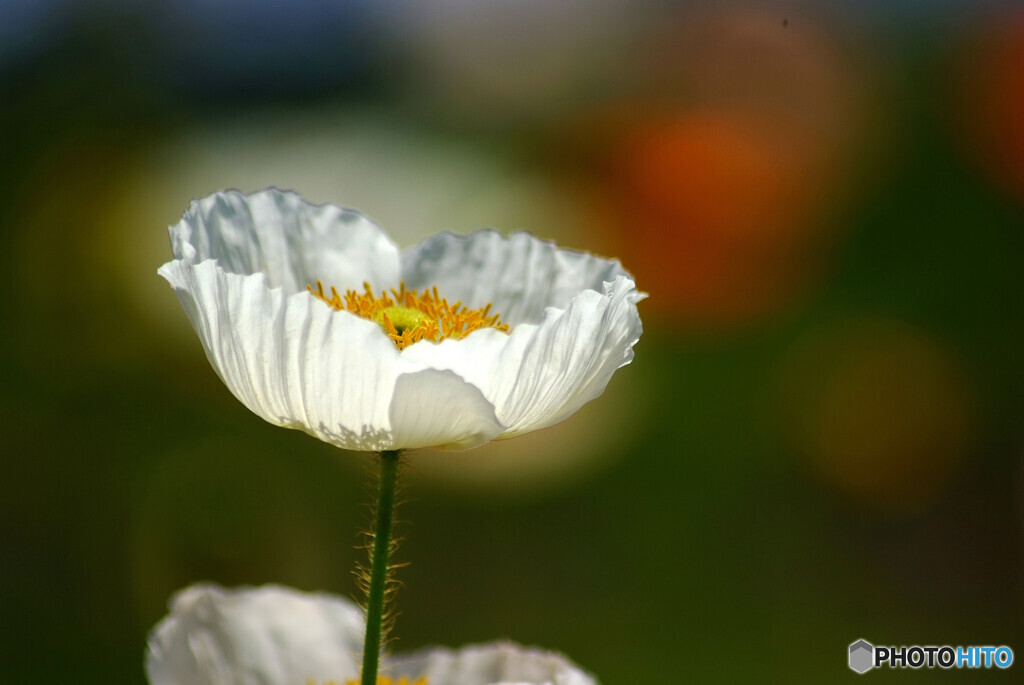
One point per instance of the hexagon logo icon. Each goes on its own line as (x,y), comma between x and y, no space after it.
(862,656)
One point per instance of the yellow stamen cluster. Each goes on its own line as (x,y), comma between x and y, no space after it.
(408,316)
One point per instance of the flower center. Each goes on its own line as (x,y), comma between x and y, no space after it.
(410,316)
(401,318)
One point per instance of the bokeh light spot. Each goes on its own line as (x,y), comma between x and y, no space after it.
(879,410)
(991,99)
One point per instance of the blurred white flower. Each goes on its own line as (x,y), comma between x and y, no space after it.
(241,270)
(278,636)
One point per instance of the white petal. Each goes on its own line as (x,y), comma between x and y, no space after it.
(501,663)
(520,275)
(296,362)
(541,374)
(254,636)
(439,409)
(290,240)
(243,262)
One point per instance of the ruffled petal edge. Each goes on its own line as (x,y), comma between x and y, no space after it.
(520,275)
(292,241)
(541,374)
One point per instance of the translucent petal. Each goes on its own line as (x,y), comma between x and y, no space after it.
(439,409)
(502,663)
(520,275)
(541,374)
(254,636)
(291,241)
(295,362)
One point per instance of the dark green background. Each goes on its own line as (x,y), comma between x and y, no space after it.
(704,546)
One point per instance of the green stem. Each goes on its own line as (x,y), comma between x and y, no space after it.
(379,565)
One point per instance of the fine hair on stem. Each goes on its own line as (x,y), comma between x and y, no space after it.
(375,578)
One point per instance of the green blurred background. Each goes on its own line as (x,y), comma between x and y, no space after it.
(819,439)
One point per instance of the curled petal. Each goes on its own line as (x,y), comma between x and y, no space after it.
(541,374)
(520,275)
(291,241)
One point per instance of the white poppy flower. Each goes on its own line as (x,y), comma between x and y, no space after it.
(278,636)
(242,270)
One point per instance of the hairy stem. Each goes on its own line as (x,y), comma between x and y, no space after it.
(380,549)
